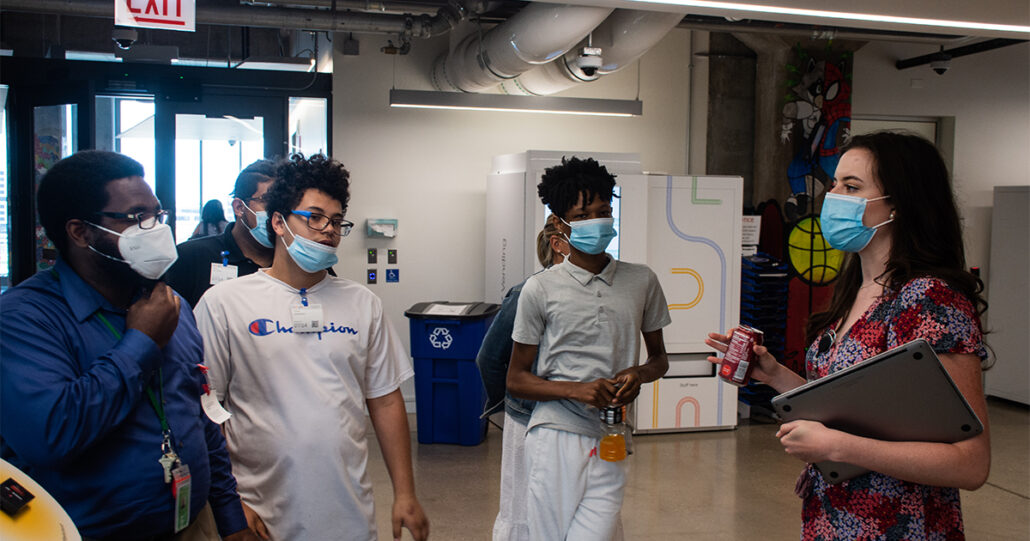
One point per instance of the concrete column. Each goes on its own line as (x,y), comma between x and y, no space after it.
(731,110)
(771,156)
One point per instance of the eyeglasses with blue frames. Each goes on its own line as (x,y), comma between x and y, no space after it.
(146,220)
(318,222)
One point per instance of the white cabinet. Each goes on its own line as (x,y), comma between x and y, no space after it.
(687,229)
(1008,295)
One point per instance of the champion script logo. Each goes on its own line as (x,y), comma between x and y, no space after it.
(265,327)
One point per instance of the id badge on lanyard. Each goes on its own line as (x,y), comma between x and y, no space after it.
(181,489)
(307,318)
(224,271)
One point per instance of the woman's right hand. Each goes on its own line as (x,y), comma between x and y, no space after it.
(766,369)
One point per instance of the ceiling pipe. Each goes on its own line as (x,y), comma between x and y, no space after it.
(420,26)
(622,38)
(536,35)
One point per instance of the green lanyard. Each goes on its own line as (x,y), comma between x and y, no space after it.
(158,405)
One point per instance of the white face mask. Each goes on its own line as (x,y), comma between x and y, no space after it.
(149,252)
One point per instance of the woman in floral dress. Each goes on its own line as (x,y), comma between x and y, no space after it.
(892,207)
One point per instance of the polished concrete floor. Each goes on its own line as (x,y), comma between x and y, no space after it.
(724,485)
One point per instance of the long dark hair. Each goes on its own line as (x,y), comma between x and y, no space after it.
(212,213)
(926,234)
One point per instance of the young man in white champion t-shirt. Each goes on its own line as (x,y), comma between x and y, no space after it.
(296,355)
(585,317)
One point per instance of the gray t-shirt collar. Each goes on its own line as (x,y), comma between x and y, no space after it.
(583,276)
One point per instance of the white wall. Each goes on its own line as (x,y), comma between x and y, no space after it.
(989,96)
(428,168)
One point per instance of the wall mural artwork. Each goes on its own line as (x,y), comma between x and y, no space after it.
(816,120)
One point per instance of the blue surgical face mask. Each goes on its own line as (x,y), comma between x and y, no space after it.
(308,254)
(841,222)
(591,236)
(260,231)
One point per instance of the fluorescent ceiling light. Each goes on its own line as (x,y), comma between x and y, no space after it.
(427,99)
(277,63)
(91,55)
(781,10)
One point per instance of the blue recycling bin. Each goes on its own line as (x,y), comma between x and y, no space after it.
(449,397)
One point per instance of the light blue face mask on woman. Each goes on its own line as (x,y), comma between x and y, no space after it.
(308,254)
(591,236)
(841,222)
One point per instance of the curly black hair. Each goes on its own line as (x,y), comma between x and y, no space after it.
(76,188)
(561,185)
(296,175)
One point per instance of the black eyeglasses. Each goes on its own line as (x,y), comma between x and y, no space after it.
(318,222)
(826,341)
(146,220)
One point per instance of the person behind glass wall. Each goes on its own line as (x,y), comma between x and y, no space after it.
(212,220)
(493,357)
(99,374)
(241,249)
(905,277)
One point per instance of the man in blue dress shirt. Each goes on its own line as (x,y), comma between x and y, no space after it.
(100,388)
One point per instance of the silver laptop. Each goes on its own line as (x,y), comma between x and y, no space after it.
(903,394)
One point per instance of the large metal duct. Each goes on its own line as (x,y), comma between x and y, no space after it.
(536,35)
(623,37)
(420,26)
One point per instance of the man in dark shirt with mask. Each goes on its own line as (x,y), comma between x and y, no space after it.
(100,388)
(242,249)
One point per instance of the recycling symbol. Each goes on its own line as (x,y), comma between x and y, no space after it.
(441,338)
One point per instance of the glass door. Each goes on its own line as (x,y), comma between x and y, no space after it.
(212,141)
(55,137)
(41,125)
(5,204)
(209,154)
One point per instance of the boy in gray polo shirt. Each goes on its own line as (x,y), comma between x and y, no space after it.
(585,317)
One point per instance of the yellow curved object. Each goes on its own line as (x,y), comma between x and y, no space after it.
(41,518)
(700,289)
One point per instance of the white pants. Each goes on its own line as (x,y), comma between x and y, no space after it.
(573,494)
(511,524)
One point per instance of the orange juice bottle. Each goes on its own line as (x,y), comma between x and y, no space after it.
(613,445)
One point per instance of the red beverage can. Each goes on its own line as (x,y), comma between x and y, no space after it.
(739,361)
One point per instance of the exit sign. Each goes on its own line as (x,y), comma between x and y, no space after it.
(164,14)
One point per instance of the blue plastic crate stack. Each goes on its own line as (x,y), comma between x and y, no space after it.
(763,305)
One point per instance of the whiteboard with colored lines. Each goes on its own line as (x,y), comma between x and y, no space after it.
(688,230)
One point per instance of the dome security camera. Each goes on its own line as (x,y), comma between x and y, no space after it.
(940,62)
(940,66)
(124,37)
